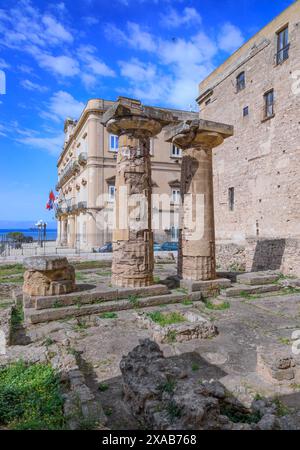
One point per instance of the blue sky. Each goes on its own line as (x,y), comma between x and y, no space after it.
(56,56)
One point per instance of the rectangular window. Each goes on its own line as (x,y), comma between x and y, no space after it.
(240,82)
(269,103)
(113,143)
(282,45)
(111,193)
(176,151)
(175,233)
(231,198)
(175,196)
(246,111)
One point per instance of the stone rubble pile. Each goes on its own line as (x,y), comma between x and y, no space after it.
(162,396)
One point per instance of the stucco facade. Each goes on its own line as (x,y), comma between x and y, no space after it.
(257,170)
(86,179)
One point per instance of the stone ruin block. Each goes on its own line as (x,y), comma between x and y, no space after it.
(193,327)
(163,395)
(278,365)
(48,275)
(209,288)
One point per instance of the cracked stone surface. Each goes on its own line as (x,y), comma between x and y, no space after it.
(48,275)
(230,357)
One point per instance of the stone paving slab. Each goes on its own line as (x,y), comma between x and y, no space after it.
(210,287)
(238,291)
(257,278)
(45,315)
(99,294)
(281,305)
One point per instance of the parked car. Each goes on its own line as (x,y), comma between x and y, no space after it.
(156,247)
(169,246)
(107,248)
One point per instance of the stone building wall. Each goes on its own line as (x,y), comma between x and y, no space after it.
(261,160)
(230,257)
(279,254)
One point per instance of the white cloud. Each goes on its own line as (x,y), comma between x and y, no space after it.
(197,50)
(24,68)
(52,145)
(32,138)
(171,69)
(61,65)
(2,130)
(3,64)
(175,19)
(141,39)
(86,54)
(24,24)
(230,38)
(90,20)
(135,36)
(137,71)
(30,86)
(145,81)
(50,42)
(55,31)
(62,105)
(179,66)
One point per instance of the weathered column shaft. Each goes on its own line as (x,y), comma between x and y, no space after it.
(197,138)
(132,236)
(133,260)
(198,232)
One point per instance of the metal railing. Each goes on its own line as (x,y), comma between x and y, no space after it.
(69,206)
(71,169)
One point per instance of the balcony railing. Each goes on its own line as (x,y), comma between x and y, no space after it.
(71,169)
(70,209)
(65,207)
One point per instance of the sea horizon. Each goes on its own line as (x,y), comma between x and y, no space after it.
(51,233)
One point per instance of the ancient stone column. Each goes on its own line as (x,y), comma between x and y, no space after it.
(71,233)
(94,178)
(64,226)
(133,260)
(59,226)
(197,138)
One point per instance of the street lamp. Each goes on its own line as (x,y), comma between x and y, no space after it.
(42,227)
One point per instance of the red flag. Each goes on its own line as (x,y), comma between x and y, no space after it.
(51,196)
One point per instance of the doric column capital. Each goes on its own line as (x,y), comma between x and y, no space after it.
(198,134)
(130,117)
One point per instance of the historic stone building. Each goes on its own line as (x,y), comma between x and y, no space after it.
(86,180)
(257,170)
